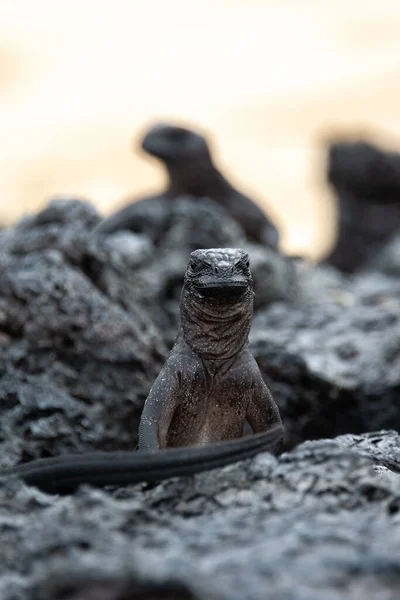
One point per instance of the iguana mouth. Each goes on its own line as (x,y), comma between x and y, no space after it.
(221,289)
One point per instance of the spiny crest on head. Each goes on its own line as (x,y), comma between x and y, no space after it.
(216,256)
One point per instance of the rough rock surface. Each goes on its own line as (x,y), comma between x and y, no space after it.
(75,366)
(86,321)
(322,521)
(85,324)
(334,367)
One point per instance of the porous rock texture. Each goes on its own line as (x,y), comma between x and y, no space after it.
(86,321)
(333,363)
(322,521)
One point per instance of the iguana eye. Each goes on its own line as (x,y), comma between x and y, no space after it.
(194,265)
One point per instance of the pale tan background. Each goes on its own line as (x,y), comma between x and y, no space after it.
(269,79)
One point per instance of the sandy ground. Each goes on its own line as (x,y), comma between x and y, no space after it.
(271,79)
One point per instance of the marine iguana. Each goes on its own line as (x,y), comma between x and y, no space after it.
(191,170)
(209,386)
(210,383)
(366,182)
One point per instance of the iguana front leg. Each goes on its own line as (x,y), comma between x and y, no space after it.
(159,409)
(262,412)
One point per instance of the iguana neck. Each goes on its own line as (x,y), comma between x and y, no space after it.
(216,330)
(198,178)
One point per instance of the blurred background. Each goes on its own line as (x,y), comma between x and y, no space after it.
(271,80)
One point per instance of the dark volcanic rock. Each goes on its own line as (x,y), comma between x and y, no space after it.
(63,224)
(75,367)
(85,321)
(333,367)
(319,522)
(381,446)
(88,318)
(366,181)
(81,317)
(275,277)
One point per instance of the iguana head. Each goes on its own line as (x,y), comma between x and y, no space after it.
(219,273)
(217,302)
(174,145)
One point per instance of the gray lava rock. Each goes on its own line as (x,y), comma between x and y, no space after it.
(333,367)
(85,320)
(63,224)
(166,233)
(75,367)
(275,276)
(319,522)
(80,322)
(177,227)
